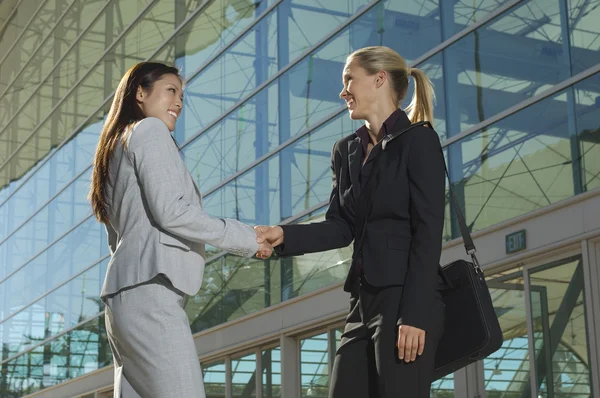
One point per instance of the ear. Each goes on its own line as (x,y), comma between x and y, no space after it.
(140,95)
(381,78)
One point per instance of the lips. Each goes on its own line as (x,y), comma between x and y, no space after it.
(350,104)
(173,114)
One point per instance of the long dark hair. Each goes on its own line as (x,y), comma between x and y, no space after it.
(123,112)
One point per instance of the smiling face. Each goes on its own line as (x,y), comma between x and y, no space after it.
(360,90)
(164,100)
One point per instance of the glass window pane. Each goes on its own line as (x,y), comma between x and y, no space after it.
(40,58)
(288,183)
(271,373)
(213,28)
(243,376)
(314,366)
(65,211)
(587,111)
(214,379)
(443,388)
(495,68)
(517,165)
(507,370)
(584,33)
(38,25)
(299,99)
(42,182)
(560,329)
(73,253)
(69,305)
(71,355)
(434,69)
(233,287)
(462,13)
(59,106)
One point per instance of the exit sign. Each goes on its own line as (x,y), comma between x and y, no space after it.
(515,242)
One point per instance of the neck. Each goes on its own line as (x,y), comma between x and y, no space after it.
(375,121)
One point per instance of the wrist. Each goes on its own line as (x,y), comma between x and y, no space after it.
(281,233)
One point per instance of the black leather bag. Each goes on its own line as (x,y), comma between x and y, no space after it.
(471,330)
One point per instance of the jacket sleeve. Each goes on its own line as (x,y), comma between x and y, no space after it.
(158,164)
(337,230)
(426,208)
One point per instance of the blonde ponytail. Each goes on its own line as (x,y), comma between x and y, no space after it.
(421,105)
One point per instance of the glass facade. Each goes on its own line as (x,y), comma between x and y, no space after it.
(518,104)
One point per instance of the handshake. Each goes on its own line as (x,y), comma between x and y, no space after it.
(267,238)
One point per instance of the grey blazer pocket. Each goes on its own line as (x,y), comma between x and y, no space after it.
(170,240)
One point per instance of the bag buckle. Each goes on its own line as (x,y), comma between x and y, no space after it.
(475,262)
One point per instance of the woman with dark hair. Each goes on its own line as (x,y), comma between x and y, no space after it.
(396,314)
(143,193)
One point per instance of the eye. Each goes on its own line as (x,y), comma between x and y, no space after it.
(172,90)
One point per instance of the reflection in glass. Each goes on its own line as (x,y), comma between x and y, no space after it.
(233,287)
(290,182)
(213,375)
(243,376)
(271,373)
(517,165)
(507,370)
(443,388)
(584,33)
(50,223)
(314,366)
(494,67)
(560,329)
(461,14)
(71,355)
(69,305)
(73,253)
(587,112)
(298,100)
(50,177)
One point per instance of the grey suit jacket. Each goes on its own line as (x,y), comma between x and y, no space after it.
(157,223)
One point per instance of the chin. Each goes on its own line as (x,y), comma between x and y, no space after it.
(170,125)
(355,115)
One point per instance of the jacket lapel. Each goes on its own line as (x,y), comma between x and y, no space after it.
(354,164)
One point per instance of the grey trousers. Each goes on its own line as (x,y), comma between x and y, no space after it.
(151,341)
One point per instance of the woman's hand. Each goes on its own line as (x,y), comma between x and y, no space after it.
(271,235)
(411,342)
(267,238)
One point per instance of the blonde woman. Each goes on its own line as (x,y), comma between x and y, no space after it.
(396,311)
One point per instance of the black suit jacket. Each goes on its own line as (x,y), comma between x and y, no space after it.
(403,240)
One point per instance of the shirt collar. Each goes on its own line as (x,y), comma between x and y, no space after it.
(363,134)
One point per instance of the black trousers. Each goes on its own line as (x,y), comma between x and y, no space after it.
(366,363)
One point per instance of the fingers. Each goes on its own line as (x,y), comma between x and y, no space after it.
(265,250)
(411,343)
(260,232)
(401,342)
(421,344)
(270,235)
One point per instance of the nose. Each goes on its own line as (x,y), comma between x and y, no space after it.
(343,93)
(179,103)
